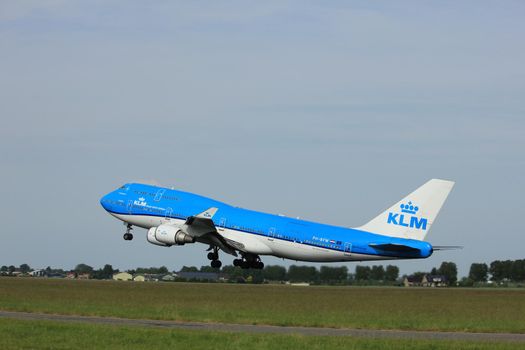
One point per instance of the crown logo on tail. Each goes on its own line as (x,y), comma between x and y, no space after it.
(409,208)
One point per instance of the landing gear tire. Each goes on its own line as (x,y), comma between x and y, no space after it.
(213,256)
(128,236)
(249,261)
(216,264)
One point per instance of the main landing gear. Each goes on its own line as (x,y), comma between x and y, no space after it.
(249,261)
(128,236)
(214,257)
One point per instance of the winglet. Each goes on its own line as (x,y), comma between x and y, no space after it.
(207,214)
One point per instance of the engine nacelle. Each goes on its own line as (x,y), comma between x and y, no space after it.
(151,238)
(170,235)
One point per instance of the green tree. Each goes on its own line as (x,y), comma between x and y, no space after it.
(362,273)
(466,282)
(3,268)
(274,273)
(234,273)
(391,273)
(189,269)
(420,274)
(25,268)
(377,273)
(302,273)
(500,270)
(107,271)
(517,271)
(329,274)
(450,271)
(255,276)
(11,269)
(478,272)
(83,268)
(104,273)
(207,268)
(97,274)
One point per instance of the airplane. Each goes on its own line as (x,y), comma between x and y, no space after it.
(175,218)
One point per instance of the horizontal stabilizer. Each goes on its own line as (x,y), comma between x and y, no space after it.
(396,248)
(447,247)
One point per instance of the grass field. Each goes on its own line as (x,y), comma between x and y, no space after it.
(475,310)
(16,334)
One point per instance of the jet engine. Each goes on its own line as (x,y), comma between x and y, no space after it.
(167,235)
(151,238)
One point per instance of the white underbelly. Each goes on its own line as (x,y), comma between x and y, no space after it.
(258,244)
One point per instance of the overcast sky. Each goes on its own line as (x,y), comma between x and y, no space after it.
(331,111)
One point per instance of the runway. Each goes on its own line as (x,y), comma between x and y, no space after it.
(261,329)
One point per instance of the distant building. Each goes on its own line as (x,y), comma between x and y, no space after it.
(38,273)
(425,281)
(152,277)
(434,281)
(122,276)
(168,278)
(139,278)
(413,281)
(83,276)
(199,276)
(299,284)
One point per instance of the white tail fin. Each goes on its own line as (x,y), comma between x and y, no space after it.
(413,216)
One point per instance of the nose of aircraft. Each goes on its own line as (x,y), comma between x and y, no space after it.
(104,202)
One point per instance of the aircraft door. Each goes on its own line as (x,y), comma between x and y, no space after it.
(130,206)
(222,224)
(348,248)
(167,214)
(159,194)
(271,233)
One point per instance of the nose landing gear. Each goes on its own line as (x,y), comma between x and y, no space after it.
(214,257)
(128,236)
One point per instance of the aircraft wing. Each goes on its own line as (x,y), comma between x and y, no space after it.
(200,224)
(201,227)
